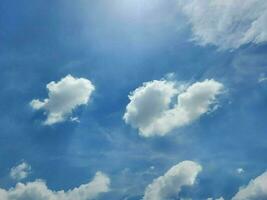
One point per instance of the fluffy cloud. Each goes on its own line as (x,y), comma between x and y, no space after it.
(169,185)
(255,190)
(63,97)
(38,190)
(157,107)
(21,171)
(227,24)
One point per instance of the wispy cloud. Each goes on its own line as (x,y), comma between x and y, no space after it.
(227,24)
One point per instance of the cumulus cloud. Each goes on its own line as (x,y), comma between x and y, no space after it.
(170,184)
(255,190)
(63,97)
(227,24)
(158,107)
(21,171)
(38,190)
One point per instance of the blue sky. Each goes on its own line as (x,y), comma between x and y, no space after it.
(118,46)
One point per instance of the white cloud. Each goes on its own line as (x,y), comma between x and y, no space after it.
(227,24)
(170,184)
(158,107)
(38,190)
(21,171)
(255,190)
(240,170)
(63,97)
(262,78)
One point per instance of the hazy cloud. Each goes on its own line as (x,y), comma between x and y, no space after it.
(227,24)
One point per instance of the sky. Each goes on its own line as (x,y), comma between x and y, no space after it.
(133,100)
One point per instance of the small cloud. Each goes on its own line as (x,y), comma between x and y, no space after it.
(63,97)
(170,76)
(20,172)
(240,170)
(262,78)
(75,119)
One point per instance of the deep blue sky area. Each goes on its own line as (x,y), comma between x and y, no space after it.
(119,45)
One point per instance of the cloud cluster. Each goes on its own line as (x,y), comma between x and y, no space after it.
(169,185)
(185,173)
(158,107)
(63,97)
(38,190)
(255,190)
(20,172)
(227,24)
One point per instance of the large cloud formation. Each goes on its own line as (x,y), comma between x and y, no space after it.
(157,107)
(255,190)
(169,185)
(63,97)
(20,171)
(38,190)
(227,24)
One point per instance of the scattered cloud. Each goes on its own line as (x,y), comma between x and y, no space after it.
(38,190)
(63,97)
(171,183)
(255,190)
(158,107)
(20,172)
(227,24)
